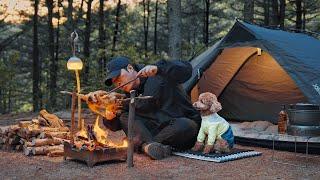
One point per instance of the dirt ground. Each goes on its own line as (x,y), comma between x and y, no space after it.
(14,165)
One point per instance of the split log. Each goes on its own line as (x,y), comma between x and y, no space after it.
(27,151)
(43,121)
(35,121)
(4,129)
(62,135)
(24,124)
(14,140)
(19,147)
(55,153)
(27,144)
(50,129)
(52,119)
(44,150)
(45,142)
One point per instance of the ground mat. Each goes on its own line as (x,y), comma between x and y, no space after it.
(218,158)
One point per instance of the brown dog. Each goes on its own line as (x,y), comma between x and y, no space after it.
(212,125)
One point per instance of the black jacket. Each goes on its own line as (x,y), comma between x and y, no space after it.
(169,100)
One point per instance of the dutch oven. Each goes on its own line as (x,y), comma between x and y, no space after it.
(304,114)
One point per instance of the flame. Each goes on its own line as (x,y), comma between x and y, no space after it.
(125,143)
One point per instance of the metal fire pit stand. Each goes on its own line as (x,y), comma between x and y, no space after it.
(306,155)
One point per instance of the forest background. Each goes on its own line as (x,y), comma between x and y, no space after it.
(35,38)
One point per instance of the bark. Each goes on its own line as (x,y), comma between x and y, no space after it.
(69,15)
(155,41)
(298,14)
(206,23)
(174,22)
(116,27)
(266,7)
(35,63)
(248,10)
(304,16)
(102,39)
(86,46)
(146,12)
(53,63)
(275,13)
(282,12)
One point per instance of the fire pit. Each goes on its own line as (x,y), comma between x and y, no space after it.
(98,155)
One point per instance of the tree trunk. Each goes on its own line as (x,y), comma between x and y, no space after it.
(1,102)
(282,13)
(57,35)
(206,23)
(174,19)
(102,39)
(53,65)
(298,14)
(155,41)
(69,15)
(304,16)
(86,46)
(248,10)
(146,12)
(79,15)
(275,13)
(116,27)
(266,7)
(35,63)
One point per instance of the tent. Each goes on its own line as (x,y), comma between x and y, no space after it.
(255,70)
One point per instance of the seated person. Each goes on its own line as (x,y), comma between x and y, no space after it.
(168,119)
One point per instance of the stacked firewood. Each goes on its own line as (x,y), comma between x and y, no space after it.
(43,135)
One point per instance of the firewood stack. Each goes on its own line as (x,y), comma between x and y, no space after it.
(43,135)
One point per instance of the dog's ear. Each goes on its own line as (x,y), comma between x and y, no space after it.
(215,107)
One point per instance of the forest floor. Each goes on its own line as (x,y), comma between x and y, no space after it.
(15,165)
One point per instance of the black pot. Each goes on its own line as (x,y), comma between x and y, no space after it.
(304,114)
(303,106)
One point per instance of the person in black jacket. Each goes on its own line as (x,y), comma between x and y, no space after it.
(168,119)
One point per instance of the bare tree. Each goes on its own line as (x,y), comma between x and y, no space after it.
(282,12)
(248,10)
(174,19)
(69,15)
(116,27)
(53,63)
(102,38)
(266,7)
(206,22)
(155,38)
(86,45)
(35,63)
(146,12)
(298,14)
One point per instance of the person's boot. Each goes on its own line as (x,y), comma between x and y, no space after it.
(156,150)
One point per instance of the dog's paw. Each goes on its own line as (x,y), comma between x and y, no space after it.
(208,149)
(221,146)
(198,146)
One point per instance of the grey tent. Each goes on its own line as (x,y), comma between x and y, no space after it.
(254,70)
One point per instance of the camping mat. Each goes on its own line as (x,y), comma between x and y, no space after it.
(219,158)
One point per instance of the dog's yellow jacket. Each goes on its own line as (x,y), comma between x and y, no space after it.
(214,126)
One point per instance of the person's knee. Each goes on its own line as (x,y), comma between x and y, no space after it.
(187,127)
